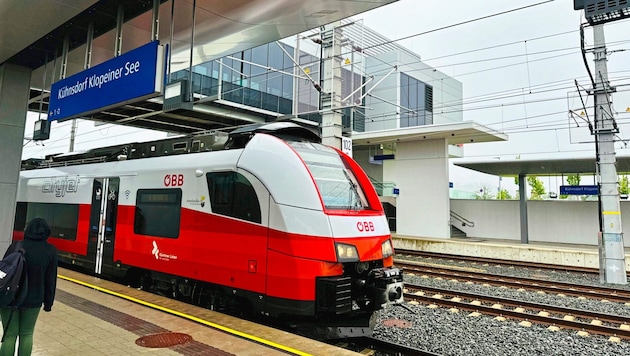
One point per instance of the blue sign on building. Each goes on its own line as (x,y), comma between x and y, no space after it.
(133,76)
(579,189)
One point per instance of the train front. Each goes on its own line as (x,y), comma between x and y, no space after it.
(330,254)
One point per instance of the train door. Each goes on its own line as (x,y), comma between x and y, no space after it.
(103,223)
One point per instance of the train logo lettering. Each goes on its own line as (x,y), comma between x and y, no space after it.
(173,180)
(161,256)
(201,201)
(155,251)
(61,186)
(365,226)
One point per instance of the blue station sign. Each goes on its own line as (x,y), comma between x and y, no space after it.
(579,189)
(133,76)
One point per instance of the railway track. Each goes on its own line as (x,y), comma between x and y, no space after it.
(547,286)
(525,311)
(535,265)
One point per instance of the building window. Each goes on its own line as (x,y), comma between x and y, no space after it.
(231,194)
(416,98)
(158,212)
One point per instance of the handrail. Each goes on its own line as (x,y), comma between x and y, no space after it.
(383,188)
(463,220)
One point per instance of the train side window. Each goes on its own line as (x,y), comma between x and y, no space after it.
(158,212)
(19,224)
(231,194)
(62,218)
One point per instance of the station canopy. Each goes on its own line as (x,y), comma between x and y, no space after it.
(546,166)
(33,34)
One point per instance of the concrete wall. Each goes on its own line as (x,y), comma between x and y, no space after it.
(447,91)
(420,171)
(14,92)
(382,115)
(575,222)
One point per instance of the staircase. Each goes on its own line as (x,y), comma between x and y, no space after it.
(457,221)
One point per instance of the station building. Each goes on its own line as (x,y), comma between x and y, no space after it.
(386,89)
(404,118)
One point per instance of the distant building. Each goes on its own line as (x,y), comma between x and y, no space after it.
(265,79)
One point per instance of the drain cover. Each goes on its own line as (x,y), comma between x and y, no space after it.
(163,340)
(397,323)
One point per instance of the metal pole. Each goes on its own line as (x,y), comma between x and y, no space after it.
(87,63)
(296,81)
(192,45)
(170,45)
(120,19)
(613,268)
(330,95)
(155,21)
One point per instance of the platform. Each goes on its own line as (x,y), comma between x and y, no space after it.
(561,254)
(88,321)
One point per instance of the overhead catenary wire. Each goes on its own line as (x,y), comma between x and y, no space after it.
(467,102)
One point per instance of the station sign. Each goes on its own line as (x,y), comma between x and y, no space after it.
(579,190)
(134,76)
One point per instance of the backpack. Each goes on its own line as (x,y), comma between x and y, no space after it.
(13,280)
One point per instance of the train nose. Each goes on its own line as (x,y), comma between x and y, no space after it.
(395,294)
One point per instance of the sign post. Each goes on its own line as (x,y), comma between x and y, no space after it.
(612,258)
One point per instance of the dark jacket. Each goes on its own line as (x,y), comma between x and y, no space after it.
(41,262)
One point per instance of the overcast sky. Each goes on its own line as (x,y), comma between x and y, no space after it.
(527,60)
(517,69)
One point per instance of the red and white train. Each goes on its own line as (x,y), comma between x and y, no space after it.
(266,220)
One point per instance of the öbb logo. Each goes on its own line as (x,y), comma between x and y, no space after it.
(173,180)
(365,226)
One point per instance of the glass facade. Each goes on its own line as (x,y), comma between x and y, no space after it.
(417,97)
(262,77)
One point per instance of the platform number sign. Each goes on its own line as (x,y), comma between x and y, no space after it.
(346,145)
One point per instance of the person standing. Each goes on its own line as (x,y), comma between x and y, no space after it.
(41,270)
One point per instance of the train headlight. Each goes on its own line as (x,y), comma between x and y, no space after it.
(346,253)
(387,249)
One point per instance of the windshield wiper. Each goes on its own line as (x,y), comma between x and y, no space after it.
(356,202)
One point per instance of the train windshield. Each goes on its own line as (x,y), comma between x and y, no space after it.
(336,182)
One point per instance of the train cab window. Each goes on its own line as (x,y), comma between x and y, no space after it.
(231,194)
(337,184)
(158,212)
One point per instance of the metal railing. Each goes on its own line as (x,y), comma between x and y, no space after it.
(461,219)
(384,189)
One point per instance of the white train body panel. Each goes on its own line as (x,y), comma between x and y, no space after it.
(282,171)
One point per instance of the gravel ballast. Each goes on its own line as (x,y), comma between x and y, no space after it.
(443,332)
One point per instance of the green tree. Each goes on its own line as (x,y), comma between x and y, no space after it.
(484,194)
(574,180)
(504,195)
(537,186)
(623,185)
